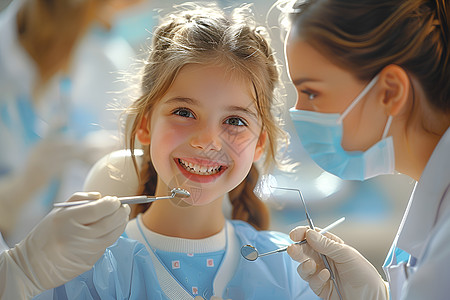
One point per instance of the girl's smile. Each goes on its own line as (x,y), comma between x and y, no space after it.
(200,170)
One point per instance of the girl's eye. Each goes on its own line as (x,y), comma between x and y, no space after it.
(311,95)
(235,121)
(183,112)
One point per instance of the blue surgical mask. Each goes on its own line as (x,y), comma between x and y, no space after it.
(321,136)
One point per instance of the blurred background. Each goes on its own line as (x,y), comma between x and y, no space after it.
(373,209)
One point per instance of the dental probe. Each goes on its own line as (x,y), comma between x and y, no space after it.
(175,193)
(311,225)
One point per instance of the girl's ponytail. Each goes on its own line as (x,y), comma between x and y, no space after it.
(246,205)
(147,183)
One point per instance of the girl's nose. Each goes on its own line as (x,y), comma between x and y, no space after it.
(207,139)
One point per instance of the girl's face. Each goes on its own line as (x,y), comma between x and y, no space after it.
(204,134)
(324,87)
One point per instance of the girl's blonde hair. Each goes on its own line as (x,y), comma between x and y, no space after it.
(197,34)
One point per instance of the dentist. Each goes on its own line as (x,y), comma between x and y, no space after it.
(372,79)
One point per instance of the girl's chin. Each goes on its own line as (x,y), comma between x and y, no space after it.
(181,202)
(196,200)
(193,200)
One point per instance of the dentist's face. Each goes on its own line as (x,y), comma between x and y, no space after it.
(205,133)
(323,86)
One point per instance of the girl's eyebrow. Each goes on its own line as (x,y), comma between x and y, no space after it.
(231,108)
(183,100)
(244,110)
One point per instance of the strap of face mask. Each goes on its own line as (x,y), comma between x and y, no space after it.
(358,98)
(388,125)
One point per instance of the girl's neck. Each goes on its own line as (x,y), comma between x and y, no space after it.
(190,222)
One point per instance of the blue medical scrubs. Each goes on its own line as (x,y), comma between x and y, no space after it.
(130,270)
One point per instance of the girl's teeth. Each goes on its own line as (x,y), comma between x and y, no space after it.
(196,169)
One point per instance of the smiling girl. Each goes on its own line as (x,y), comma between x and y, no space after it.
(203,120)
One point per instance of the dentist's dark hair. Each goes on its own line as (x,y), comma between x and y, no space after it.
(205,35)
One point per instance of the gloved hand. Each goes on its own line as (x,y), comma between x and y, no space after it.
(66,243)
(47,160)
(355,276)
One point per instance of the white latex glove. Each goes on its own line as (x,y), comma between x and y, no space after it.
(47,160)
(356,277)
(65,244)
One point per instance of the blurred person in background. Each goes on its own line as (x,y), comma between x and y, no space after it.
(46,113)
(54,117)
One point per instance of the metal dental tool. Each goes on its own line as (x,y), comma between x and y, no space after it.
(175,193)
(311,225)
(251,253)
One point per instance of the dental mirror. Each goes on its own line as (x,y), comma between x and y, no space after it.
(180,193)
(175,193)
(250,253)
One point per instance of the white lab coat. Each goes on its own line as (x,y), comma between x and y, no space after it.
(424,233)
(3,245)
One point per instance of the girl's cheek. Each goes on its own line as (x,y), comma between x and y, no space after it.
(239,141)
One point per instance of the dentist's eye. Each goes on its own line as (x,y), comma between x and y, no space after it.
(236,121)
(311,95)
(183,112)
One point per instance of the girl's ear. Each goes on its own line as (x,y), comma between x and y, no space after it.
(260,145)
(143,131)
(395,85)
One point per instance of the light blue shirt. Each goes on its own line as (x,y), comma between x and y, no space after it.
(195,271)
